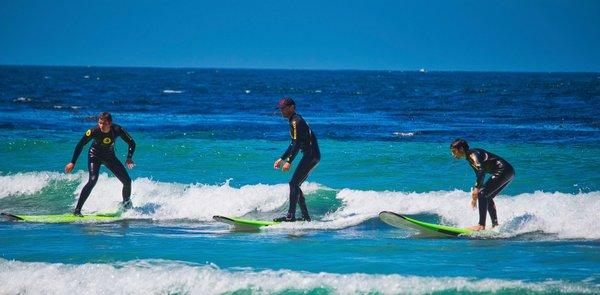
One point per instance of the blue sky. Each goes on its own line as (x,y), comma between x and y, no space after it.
(388,35)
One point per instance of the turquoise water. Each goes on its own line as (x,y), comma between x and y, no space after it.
(219,162)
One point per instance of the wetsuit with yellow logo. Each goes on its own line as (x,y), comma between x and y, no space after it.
(502,173)
(101,152)
(303,139)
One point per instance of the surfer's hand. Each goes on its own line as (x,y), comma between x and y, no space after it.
(130,163)
(286,166)
(69,167)
(473,203)
(277,164)
(474,193)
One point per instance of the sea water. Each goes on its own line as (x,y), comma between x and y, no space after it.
(206,143)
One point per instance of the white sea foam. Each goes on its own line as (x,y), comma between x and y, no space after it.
(562,215)
(163,201)
(30,182)
(168,277)
(565,215)
(22,99)
(160,200)
(170,91)
(404,134)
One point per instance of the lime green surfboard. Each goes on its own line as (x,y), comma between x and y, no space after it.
(429,229)
(244,224)
(64,218)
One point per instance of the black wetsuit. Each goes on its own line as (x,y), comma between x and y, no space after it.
(102,151)
(303,139)
(502,173)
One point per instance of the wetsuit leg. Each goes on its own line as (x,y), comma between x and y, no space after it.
(117,168)
(492,210)
(306,165)
(93,169)
(303,208)
(492,188)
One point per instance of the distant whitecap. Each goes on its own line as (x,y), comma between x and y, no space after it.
(404,134)
(22,99)
(170,91)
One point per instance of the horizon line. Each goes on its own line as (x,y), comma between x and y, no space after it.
(421,70)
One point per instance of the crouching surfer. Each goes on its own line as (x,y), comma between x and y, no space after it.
(482,162)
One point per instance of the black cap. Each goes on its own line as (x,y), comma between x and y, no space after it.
(285,102)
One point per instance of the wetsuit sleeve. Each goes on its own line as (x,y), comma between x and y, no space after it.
(129,140)
(299,134)
(475,162)
(286,154)
(82,142)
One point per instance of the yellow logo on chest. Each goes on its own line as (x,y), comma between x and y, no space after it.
(106,140)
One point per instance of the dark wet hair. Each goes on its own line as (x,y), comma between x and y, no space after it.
(105,116)
(460,144)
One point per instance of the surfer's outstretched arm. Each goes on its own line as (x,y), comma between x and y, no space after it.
(78,148)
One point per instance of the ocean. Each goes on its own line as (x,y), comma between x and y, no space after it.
(206,143)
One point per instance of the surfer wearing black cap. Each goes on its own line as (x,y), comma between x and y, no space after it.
(101,152)
(303,139)
(482,162)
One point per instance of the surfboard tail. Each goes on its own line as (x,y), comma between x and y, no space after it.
(243,224)
(403,221)
(62,218)
(10,217)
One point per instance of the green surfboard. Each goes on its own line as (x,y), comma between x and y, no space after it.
(64,218)
(244,224)
(428,229)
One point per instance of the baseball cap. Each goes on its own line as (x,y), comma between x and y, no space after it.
(285,102)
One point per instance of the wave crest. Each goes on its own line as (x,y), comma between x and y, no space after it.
(562,215)
(168,277)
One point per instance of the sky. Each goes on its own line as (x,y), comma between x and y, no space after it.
(532,36)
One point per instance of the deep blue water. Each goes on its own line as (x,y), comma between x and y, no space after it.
(206,142)
(343,105)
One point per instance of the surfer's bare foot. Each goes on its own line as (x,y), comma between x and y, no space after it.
(476,227)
